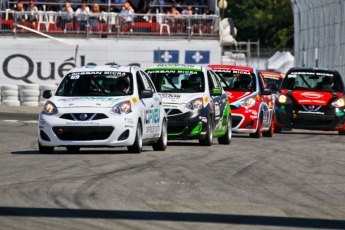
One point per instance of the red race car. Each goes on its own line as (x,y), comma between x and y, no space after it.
(311,98)
(273,80)
(250,99)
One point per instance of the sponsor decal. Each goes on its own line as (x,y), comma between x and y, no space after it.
(254,112)
(241,72)
(152,116)
(129,126)
(129,120)
(311,112)
(291,76)
(82,123)
(152,129)
(217,110)
(170,106)
(173,71)
(253,117)
(311,95)
(203,119)
(271,77)
(169,96)
(312,101)
(109,99)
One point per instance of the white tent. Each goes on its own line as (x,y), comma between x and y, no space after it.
(280,62)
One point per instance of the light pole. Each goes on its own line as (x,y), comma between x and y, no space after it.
(222,4)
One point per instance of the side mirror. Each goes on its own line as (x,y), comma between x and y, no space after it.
(216,92)
(47,94)
(146,94)
(266,92)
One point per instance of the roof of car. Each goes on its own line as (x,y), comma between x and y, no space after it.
(91,68)
(177,67)
(271,74)
(231,67)
(303,69)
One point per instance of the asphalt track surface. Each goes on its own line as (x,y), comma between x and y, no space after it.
(295,180)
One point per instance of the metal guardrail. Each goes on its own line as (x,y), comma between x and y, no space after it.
(108,24)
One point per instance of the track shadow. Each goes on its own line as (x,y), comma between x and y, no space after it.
(293,222)
(81,152)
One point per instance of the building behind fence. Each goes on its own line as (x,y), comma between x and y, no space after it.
(320,33)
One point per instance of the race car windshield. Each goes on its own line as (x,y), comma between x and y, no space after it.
(178,82)
(96,84)
(273,83)
(313,81)
(237,81)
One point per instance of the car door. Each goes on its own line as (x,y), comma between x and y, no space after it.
(152,113)
(219,101)
(266,100)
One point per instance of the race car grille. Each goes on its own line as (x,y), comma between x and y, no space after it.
(170,112)
(84,133)
(311,120)
(88,116)
(236,120)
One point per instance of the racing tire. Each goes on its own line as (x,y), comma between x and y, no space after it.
(277,129)
(137,146)
(341,132)
(72,149)
(207,141)
(45,149)
(270,131)
(226,139)
(162,142)
(258,132)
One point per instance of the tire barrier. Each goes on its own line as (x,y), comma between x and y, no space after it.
(23,95)
(9,95)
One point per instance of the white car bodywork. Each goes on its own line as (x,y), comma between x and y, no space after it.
(96,121)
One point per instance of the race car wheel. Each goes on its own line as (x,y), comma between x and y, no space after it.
(162,143)
(341,132)
(258,132)
(226,139)
(138,142)
(73,149)
(207,141)
(45,149)
(270,131)
(277,129)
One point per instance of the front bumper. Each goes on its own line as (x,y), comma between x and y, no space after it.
(325,118)
(189,125)
(111,130)
(244,120)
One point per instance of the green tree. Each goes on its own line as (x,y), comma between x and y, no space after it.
(270,21)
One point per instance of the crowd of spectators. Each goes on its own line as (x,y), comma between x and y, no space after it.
(90,14)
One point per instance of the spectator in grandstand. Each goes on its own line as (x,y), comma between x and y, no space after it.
(207,22)
(119,4)
(126,17)
(174,19)
(32,18)
(188,10)
(19,14)
(96,17)
(66,16)
(156,6)
(196,21)
(82,13)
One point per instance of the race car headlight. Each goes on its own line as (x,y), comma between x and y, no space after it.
(49,108)
(339,103)
(250,102)
(195,104)
(282,99)
(122,108)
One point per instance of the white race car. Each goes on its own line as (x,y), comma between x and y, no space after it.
(103,106)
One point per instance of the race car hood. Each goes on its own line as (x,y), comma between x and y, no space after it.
(181,98)
(71,102)
(236,96)
(311,98)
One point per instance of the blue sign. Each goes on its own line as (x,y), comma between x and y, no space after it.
(165,56)
(197,57)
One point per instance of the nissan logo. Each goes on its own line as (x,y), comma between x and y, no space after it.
(83,116)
